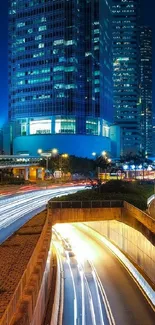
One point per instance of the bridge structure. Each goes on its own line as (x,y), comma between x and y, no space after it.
(129,228)
(24,166)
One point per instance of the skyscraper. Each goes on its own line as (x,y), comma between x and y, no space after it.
(60,75)
(146,87)
(126,74)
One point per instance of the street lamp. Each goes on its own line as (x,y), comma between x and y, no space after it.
(64,155)
(103,153)
(46,155)
(54,151)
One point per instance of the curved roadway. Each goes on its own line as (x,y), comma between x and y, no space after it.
(17,209)
(128,304)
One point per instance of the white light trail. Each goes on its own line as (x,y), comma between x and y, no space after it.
(18,207)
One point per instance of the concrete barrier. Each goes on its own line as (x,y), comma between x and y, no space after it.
(130,241)
(146,288)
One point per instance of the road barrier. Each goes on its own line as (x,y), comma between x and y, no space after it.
(147,290)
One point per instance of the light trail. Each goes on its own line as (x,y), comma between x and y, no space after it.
(83,294)
(74,289)
(122,301)
(90,298)
(16,210)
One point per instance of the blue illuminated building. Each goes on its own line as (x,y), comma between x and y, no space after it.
(146,88)
(60,76)
(126,74)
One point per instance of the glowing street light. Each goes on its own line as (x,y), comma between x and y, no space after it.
(54,151)
(44,154)
(65,155)
(39,151)
(103,153)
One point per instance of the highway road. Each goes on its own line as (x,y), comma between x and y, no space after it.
(17,209)
(86,263)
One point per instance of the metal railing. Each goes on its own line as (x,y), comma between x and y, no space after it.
(85,204)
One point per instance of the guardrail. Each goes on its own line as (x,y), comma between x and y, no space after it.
(85,204)
(150,199)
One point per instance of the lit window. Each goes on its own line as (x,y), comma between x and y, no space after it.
(65,125)
(40,127)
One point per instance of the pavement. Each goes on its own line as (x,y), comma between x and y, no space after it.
(127,302)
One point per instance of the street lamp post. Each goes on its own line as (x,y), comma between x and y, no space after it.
(63,156)
(47,155)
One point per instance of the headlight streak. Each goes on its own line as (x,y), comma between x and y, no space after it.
(83,294)
(16,207)
(63,232)
(74,289)
(90,301)
(143,285)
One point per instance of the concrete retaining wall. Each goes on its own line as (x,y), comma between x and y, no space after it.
(35,293)
(131,242)
(32,290)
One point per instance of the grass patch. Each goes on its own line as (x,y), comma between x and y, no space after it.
(132,192)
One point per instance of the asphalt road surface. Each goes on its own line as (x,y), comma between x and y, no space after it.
(127,303)
(17,209)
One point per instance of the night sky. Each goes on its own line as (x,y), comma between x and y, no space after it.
(148,17)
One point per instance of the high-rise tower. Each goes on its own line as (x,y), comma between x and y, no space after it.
(60,75)
(126,74)
(146,87)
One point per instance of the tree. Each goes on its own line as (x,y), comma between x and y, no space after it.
(136,160)
(103,162)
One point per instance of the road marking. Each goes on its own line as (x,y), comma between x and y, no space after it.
(98,297)
(83,295)
(74,289)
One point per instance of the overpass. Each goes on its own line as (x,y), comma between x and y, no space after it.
(23,165)
(129,228)
(86,211)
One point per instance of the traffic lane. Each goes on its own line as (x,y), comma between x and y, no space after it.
(88,312)
(15,211)
(97,301)
(10,207)
(14,226)
(90,309)
(68,314)
(128,304)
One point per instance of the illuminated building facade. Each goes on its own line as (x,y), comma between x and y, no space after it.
(60,73)
(146,87)
(126,73)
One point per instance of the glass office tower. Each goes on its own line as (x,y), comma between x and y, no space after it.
(60,73)
(126,74)
(146,87)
